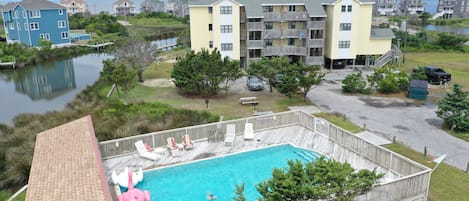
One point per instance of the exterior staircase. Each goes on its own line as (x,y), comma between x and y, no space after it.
(391,55)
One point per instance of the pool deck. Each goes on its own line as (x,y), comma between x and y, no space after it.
(297,135)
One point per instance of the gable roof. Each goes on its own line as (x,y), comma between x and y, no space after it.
(33,5)
(254,7)
(67,165)
(131,3)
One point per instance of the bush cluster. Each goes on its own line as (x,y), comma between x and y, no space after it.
(355,83)
(388,80)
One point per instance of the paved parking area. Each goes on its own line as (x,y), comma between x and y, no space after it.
(414,126)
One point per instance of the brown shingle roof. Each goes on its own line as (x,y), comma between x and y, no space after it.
(67,165)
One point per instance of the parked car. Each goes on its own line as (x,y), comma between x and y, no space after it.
(254,84)
(277,79)
(436,75)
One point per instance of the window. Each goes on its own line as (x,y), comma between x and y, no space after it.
(292,8)
(25,15)
(226,29)
(291,41)
(64,35)
(210,27)
(315,52)
(12,26)
(225,10)
(15,15)
(34,26)
(34,14)
(316,34)
(210,10)
(254,53)
(47,36)
(268,9)
(61,12)
(349,8)
(226,46)
(344,44)
(18,26)
(268,42)
(255,35)
(210,44)
(41,36)
(291,25)
(345,26)
(26,27)
(317,19)
(254,19)
(344,8)
(61,24)
(269,25)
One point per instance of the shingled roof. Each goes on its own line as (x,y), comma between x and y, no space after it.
(67,165)
(33,5)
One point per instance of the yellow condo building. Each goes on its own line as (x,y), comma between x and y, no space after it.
(329,33)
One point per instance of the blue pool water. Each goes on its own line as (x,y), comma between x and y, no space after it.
(192,182)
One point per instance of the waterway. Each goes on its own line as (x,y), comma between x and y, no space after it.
(46,87)
(449,29)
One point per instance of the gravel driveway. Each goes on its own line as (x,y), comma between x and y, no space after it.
(414,126)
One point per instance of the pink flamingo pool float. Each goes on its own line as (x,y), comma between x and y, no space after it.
(134,194)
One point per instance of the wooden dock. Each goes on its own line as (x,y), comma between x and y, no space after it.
(6,64)
(99,46)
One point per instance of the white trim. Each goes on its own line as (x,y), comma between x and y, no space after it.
(35,14)
(26,26)
(32,27)
(65,33)
(61,11)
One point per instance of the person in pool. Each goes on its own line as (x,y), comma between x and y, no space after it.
(210,196)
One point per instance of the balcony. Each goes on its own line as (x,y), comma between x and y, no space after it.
(294,33)
(272,33)
(317,25)
(255,26)
(317,60)
(315,42)
(285,16)
(258,44)
(288,50)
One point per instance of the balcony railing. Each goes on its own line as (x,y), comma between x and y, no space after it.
(288,50)
(254,43)
(254,25)
(272,33)
(317,25)
(315,42)
(285,16)
(294,33)
(316,60)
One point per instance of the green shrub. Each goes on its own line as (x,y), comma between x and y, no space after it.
(354,83)
(388,85)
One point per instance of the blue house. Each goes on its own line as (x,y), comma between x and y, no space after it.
(30,20)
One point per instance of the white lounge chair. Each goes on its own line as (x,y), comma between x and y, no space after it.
(248,131)
(142,151)
(173,147)
(230,134)
(187,142)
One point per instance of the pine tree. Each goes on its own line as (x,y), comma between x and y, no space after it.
(454,109)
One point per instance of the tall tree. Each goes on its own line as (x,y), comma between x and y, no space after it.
(202,72)
(308,76)
(136,54)
(323,179)
(119,74)
(239,193)
(454,109)
(299,78)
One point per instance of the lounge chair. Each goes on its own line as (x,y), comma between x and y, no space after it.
(230,134)
(248,131)
(173,146)
(142,151)
(187,142)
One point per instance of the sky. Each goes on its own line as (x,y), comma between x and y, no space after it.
(96,6)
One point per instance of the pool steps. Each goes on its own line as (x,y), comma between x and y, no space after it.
(308,156)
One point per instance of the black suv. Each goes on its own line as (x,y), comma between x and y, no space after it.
(436,75)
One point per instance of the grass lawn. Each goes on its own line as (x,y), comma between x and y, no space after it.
(340,121)
(454,63)
(447,182)
(4,195)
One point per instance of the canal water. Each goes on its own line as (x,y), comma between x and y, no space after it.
(450,29)
(46,87)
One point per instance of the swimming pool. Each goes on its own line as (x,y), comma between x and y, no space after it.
(192,182)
